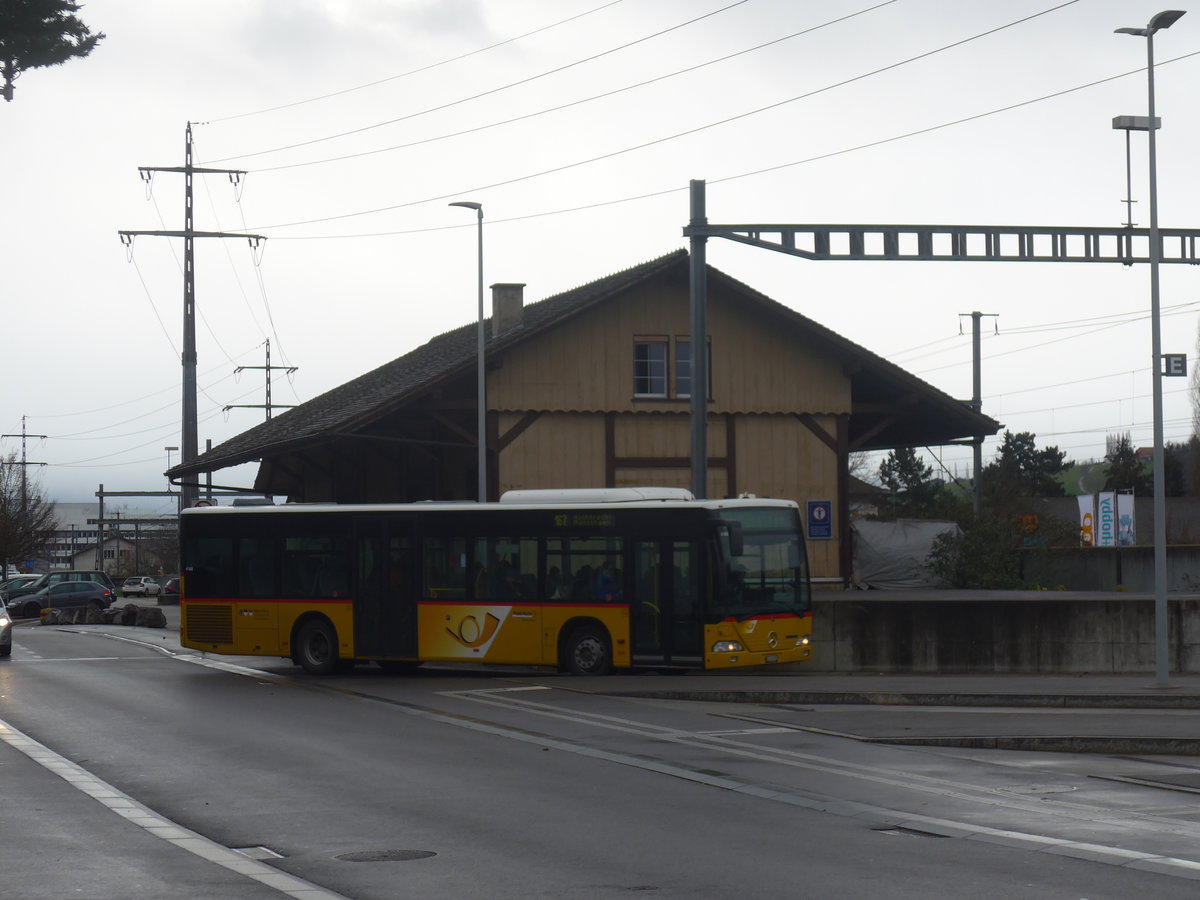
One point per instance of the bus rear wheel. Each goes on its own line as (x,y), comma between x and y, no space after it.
(588,651)
(316,647)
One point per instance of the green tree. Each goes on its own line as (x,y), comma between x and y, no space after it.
(988,552)
(39,33)
(1178,460)
(1021,471)
(26,517)
(911,482)
(1126,472)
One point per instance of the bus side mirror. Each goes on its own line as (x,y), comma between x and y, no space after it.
(731,531)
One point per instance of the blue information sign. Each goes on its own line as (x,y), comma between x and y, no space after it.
(820,520)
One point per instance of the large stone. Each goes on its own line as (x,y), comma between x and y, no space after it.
(151,617)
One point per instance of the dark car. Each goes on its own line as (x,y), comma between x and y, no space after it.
(53,578)
(5,631)
(64,595)
(17,581)
(171,588)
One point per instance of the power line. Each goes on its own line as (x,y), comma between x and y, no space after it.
(417,71)
(663,192)
(574,103)
(490,91)
(1105,327)
(671,137)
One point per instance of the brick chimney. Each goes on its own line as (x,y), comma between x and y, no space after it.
(508,305)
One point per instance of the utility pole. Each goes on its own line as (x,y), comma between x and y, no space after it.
(268,368)
(24,464)
(189,443)
(977,403)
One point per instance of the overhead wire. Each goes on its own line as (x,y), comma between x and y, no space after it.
(1066,324)
(237,277)
(491,91)
(1092,331)
(420,69)
(663,192)
(691,131)
(574,103)
(160,434)
(123,403)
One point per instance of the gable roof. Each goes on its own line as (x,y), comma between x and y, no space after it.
(375,394)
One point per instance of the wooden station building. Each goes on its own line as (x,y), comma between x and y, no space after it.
(591,388)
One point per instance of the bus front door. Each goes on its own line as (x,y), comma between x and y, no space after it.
(385,609)
(666,607)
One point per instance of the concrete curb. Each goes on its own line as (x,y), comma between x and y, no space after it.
(926,698)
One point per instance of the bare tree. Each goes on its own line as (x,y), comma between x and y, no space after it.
(860,467)
(39,33)
(26,517)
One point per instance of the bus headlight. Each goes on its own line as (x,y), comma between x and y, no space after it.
(728,647)
(803,642)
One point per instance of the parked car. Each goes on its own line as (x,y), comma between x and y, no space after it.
(64,595)
(5,631)
(171,588)
(16,582)
(45,581)
(141,586)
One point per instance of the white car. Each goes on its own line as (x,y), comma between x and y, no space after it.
(141,586)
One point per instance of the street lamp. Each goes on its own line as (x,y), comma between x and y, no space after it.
(481,386)
(1163,20)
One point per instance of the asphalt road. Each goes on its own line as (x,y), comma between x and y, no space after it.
(134,769)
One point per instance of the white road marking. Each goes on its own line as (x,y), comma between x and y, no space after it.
(159,826)
(1166,865)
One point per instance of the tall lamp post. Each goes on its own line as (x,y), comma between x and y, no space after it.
(481,385)
(1161,664)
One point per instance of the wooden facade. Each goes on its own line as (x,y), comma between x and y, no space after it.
(789,401)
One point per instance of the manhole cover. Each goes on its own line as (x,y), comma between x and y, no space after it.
(385,855)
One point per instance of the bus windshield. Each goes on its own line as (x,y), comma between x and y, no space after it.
(770,574)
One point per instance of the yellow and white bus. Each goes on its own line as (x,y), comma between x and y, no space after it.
(585,580)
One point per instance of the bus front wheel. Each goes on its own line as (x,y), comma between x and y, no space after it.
(316,647)
(588,651)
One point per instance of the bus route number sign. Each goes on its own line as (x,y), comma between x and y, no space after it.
(820,520)
(584,520)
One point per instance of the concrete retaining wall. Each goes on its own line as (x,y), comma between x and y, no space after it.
(999,631)
(1104,568)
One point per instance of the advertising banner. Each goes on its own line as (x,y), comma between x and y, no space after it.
(1126,531)
(1087,520)
(1106,519)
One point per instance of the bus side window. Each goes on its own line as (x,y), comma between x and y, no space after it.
(506,568)
(256,567)
(444,568)
(210,567)
(316,567)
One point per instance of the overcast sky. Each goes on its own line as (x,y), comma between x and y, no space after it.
(578,125)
